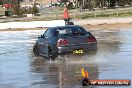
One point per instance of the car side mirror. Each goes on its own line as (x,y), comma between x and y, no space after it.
(42,36)
(56,33)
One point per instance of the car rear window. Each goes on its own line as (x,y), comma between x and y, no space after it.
(71,31)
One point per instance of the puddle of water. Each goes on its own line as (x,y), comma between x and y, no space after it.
(20,69)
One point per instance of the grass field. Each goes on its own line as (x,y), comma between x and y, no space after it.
(2,11)
(119,12)
(56,13)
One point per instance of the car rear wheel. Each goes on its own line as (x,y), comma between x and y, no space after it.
(35,50)
(51,55)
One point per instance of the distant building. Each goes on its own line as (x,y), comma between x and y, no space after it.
(41,2)
(27,6)
(26,3)
(7,6)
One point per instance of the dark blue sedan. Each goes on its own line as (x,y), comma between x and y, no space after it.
(64,39)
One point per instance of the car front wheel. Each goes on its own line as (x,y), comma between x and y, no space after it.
(35,50)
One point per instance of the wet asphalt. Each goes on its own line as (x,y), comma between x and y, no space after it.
(19,68)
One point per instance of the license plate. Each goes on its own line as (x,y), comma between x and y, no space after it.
(78,51)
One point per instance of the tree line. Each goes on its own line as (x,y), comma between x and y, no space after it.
(99,3)
(84,3)
(9,1)
(16,9)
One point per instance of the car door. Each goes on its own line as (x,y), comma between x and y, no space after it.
(44,42)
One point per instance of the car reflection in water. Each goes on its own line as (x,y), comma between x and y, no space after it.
(61,73)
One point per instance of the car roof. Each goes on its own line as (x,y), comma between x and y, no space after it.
(64,26)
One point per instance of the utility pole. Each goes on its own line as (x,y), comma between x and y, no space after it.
(34,2)
(109,3)
(76,4)
(83,2)
(51,5)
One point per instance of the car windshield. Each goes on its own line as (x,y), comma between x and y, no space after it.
(71,31)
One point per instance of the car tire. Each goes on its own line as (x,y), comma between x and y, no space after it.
(35,50)
(51,55)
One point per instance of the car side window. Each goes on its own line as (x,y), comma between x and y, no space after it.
(55,32)
(47,33)
(80,29)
